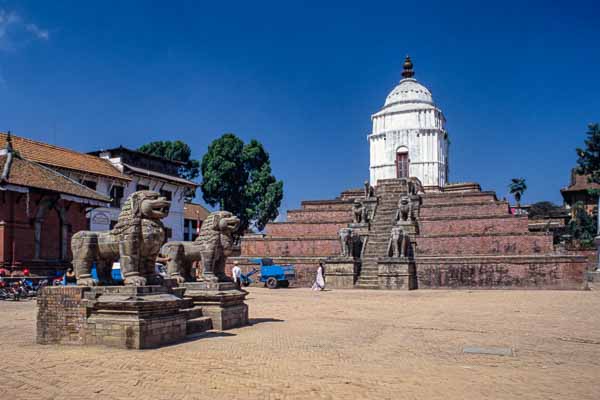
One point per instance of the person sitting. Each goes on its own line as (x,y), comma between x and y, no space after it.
(70,278)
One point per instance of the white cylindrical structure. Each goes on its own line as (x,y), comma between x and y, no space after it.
(409,137)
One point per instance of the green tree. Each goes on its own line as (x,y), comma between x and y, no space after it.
(582,226)
(238,178)
(517,187)
(545,209)
(176,151)
(588,159)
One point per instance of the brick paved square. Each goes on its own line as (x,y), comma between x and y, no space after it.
(346,344)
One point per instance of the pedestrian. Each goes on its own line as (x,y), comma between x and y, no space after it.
(236,271)
(320,279)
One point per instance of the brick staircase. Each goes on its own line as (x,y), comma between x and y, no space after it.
(388,192)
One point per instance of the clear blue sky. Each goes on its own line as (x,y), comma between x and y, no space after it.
(517,81)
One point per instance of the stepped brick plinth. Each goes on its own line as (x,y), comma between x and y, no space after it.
(129,317)
(219,301)
(463,238)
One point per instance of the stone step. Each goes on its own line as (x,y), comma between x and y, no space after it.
(198,325)
(192,312)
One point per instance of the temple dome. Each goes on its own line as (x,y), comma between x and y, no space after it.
(409,91)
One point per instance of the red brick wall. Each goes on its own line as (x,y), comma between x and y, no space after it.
(545,273)
(505,224)
(464,210)
(20,229)
(327,205)
(319,216)
(492,245)
(272,247)
(468,197)
(304,230)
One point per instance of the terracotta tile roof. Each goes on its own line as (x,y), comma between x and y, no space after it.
(195,211)
(54,156)
(26,173)
(579,183)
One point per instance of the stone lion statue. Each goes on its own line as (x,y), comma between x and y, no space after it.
(398,244)
(135,241)
(405,209)
(212,247)
(347,242)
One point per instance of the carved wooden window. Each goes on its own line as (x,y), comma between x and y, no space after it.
(402,165)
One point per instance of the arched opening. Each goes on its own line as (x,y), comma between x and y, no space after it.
(50,231)
(402,161)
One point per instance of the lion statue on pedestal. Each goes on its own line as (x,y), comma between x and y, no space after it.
(212,247)
(135,241)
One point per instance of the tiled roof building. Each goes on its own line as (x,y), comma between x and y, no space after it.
(41,210)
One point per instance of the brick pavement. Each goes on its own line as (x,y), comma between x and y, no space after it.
(349,344)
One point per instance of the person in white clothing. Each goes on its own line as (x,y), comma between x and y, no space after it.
(236,271)
(320,279)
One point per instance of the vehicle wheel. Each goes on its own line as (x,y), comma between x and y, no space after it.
(271,283)
(246,283)
(284,283)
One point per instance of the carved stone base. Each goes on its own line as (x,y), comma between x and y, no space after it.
(396,274)
(341,272)
(220,301)
(128,317)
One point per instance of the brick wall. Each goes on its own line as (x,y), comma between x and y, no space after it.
(319,216)
(288,229)
(61,315)
(503,224)
(464,210)
(502,273)
(467,197)
(343,205)
(284,247)
(485,244)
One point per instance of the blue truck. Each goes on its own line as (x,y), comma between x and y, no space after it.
(272,275)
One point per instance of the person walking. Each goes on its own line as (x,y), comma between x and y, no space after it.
(236,271)
(320,279)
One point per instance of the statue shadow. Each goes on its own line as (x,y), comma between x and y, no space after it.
(254,321)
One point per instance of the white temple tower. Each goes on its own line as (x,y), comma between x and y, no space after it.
(409,137)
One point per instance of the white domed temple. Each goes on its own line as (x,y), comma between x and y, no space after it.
(408,137)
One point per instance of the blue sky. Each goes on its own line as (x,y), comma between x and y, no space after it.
(518,82)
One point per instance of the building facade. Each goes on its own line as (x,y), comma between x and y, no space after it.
(409,137)
(193,216)
(579,191)
(40,210)
(145,172)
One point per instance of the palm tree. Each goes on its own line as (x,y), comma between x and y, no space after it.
(517,187)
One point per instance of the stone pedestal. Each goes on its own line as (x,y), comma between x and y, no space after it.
(220,301)
(129,317)
(396,273)
(341,272)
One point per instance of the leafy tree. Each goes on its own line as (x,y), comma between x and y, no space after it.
(582,226)
(238,178)
(517,187)
(545,209)
(588,161)
(177,151)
